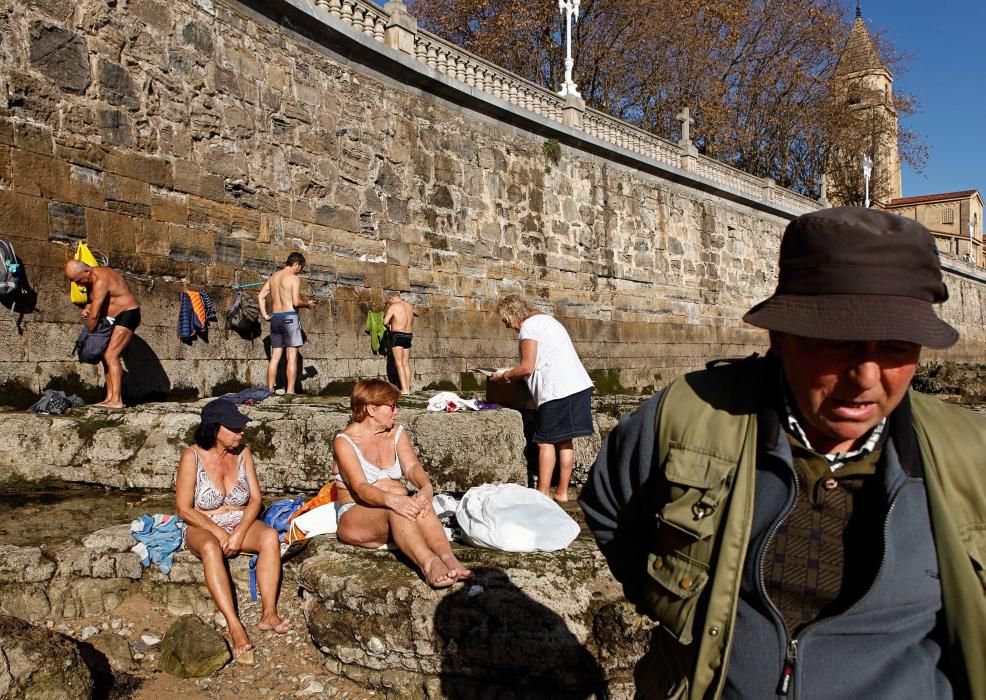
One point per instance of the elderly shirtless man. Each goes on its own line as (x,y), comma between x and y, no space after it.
(399,319)
(109,298)
(284,286)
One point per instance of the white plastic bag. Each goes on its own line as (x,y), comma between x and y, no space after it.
(514,519)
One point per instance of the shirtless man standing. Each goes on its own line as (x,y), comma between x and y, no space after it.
(109,298)
(398,320)
(285,325)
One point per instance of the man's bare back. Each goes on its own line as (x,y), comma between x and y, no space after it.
(400,316)
(285,290)
(109,294)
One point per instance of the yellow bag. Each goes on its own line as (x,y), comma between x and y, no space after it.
(78,294)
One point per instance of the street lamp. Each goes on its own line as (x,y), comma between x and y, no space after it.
(972,231)
(569,8)
(867,164)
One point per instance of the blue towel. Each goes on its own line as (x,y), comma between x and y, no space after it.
(276,516)
(249,396)
(158,538)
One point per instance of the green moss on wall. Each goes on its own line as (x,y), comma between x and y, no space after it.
(260,439)
(340,388)
(607,381)
(443,385)
(470,381)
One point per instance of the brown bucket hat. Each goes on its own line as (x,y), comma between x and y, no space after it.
(857,274)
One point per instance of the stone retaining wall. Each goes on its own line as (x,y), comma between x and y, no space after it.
(197,142)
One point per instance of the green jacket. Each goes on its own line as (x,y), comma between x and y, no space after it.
(703,480)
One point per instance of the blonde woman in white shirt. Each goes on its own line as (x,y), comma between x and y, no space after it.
(558,383)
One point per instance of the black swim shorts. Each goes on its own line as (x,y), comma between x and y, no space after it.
(129,319)
(400,339)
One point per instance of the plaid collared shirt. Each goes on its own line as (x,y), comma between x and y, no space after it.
(835,459)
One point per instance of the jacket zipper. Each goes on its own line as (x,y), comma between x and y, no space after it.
(791,656)
(789,663)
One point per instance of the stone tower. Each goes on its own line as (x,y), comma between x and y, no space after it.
(863,84)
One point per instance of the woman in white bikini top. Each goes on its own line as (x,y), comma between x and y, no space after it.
(372,472)
(374,506)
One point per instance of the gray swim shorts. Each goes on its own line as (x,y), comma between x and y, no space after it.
(285,330)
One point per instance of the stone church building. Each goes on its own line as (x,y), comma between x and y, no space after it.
(865,84)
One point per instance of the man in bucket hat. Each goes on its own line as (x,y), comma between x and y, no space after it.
(802,524)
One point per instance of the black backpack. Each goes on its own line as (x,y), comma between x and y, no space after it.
(244,314)
(9,268)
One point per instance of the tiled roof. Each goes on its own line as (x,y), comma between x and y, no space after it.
(859,54)
(928,198)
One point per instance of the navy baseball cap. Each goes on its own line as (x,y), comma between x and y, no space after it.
(225,413)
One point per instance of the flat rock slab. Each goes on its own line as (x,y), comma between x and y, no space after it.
(529,625)
(291,440)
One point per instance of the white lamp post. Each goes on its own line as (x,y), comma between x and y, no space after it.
(867,164)
(569,8)
(972,231)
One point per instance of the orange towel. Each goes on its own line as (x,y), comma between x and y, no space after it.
(326,494)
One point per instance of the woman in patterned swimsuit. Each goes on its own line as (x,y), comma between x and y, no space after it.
(218,496)
(374,506)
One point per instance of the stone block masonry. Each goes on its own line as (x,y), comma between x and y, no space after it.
(197,143)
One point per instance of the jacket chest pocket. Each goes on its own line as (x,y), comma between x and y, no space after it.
(975,542)
(678,565)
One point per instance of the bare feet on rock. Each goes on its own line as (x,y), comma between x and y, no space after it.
(561,497)
(108,404)
(273,623)
(437,574)
(455,568)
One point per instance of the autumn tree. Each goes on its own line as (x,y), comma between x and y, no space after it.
(755,73)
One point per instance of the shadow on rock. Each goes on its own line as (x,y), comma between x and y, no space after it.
(144,378)
(496,642)
(107,683)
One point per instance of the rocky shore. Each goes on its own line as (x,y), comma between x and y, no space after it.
(530,625)
(366,624)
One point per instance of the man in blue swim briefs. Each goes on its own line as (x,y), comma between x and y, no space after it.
(284,287)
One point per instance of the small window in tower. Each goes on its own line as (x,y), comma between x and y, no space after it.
(948,216)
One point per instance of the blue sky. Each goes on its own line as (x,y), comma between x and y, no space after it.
(946,74)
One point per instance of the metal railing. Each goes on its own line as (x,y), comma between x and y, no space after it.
(453,62)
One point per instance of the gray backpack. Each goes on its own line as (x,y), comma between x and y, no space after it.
(244,314)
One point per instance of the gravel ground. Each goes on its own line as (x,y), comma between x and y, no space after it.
(286,666)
